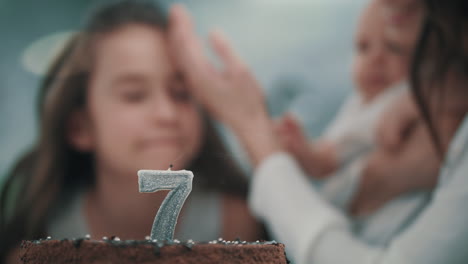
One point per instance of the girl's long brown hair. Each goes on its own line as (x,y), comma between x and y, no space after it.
(40,180)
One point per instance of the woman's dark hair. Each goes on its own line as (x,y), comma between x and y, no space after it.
(38,182)
(441,54)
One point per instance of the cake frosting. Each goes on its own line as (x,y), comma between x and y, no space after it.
(114,250)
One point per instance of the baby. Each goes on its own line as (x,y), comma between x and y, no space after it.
(380,69)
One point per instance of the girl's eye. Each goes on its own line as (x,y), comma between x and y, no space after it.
(181,95)
(179,92)
(133,96)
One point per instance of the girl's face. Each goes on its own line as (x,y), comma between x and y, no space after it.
(378,63)
(140,115)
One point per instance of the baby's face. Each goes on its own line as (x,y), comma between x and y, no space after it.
(400,11)
(379,63)
(404,20)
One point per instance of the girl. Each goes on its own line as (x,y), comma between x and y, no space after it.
(314,231)
(112,104)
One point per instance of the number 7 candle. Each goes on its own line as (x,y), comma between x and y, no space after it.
(180,185)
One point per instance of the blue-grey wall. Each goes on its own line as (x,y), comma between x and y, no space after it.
(300,50)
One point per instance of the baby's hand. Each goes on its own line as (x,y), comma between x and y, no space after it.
(291,136)
(314,160)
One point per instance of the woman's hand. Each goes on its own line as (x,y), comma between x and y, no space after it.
(397,123)
(231,95)
(406,160)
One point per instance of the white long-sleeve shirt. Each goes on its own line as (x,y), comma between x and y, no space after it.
(315,232)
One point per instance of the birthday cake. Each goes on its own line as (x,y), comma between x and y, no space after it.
(150,251)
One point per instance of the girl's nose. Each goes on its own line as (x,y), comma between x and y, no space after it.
(164,109)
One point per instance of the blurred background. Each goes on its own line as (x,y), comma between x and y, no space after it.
(300,50)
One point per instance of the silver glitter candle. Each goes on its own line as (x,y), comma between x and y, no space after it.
(180,184)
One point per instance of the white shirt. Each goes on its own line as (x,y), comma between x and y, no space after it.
(316,232)
(353,133)
(353,129)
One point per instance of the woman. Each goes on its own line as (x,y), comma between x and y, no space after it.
(314,231)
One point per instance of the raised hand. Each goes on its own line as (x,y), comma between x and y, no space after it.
(232,94)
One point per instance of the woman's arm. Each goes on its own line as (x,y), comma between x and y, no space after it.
(314,232)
